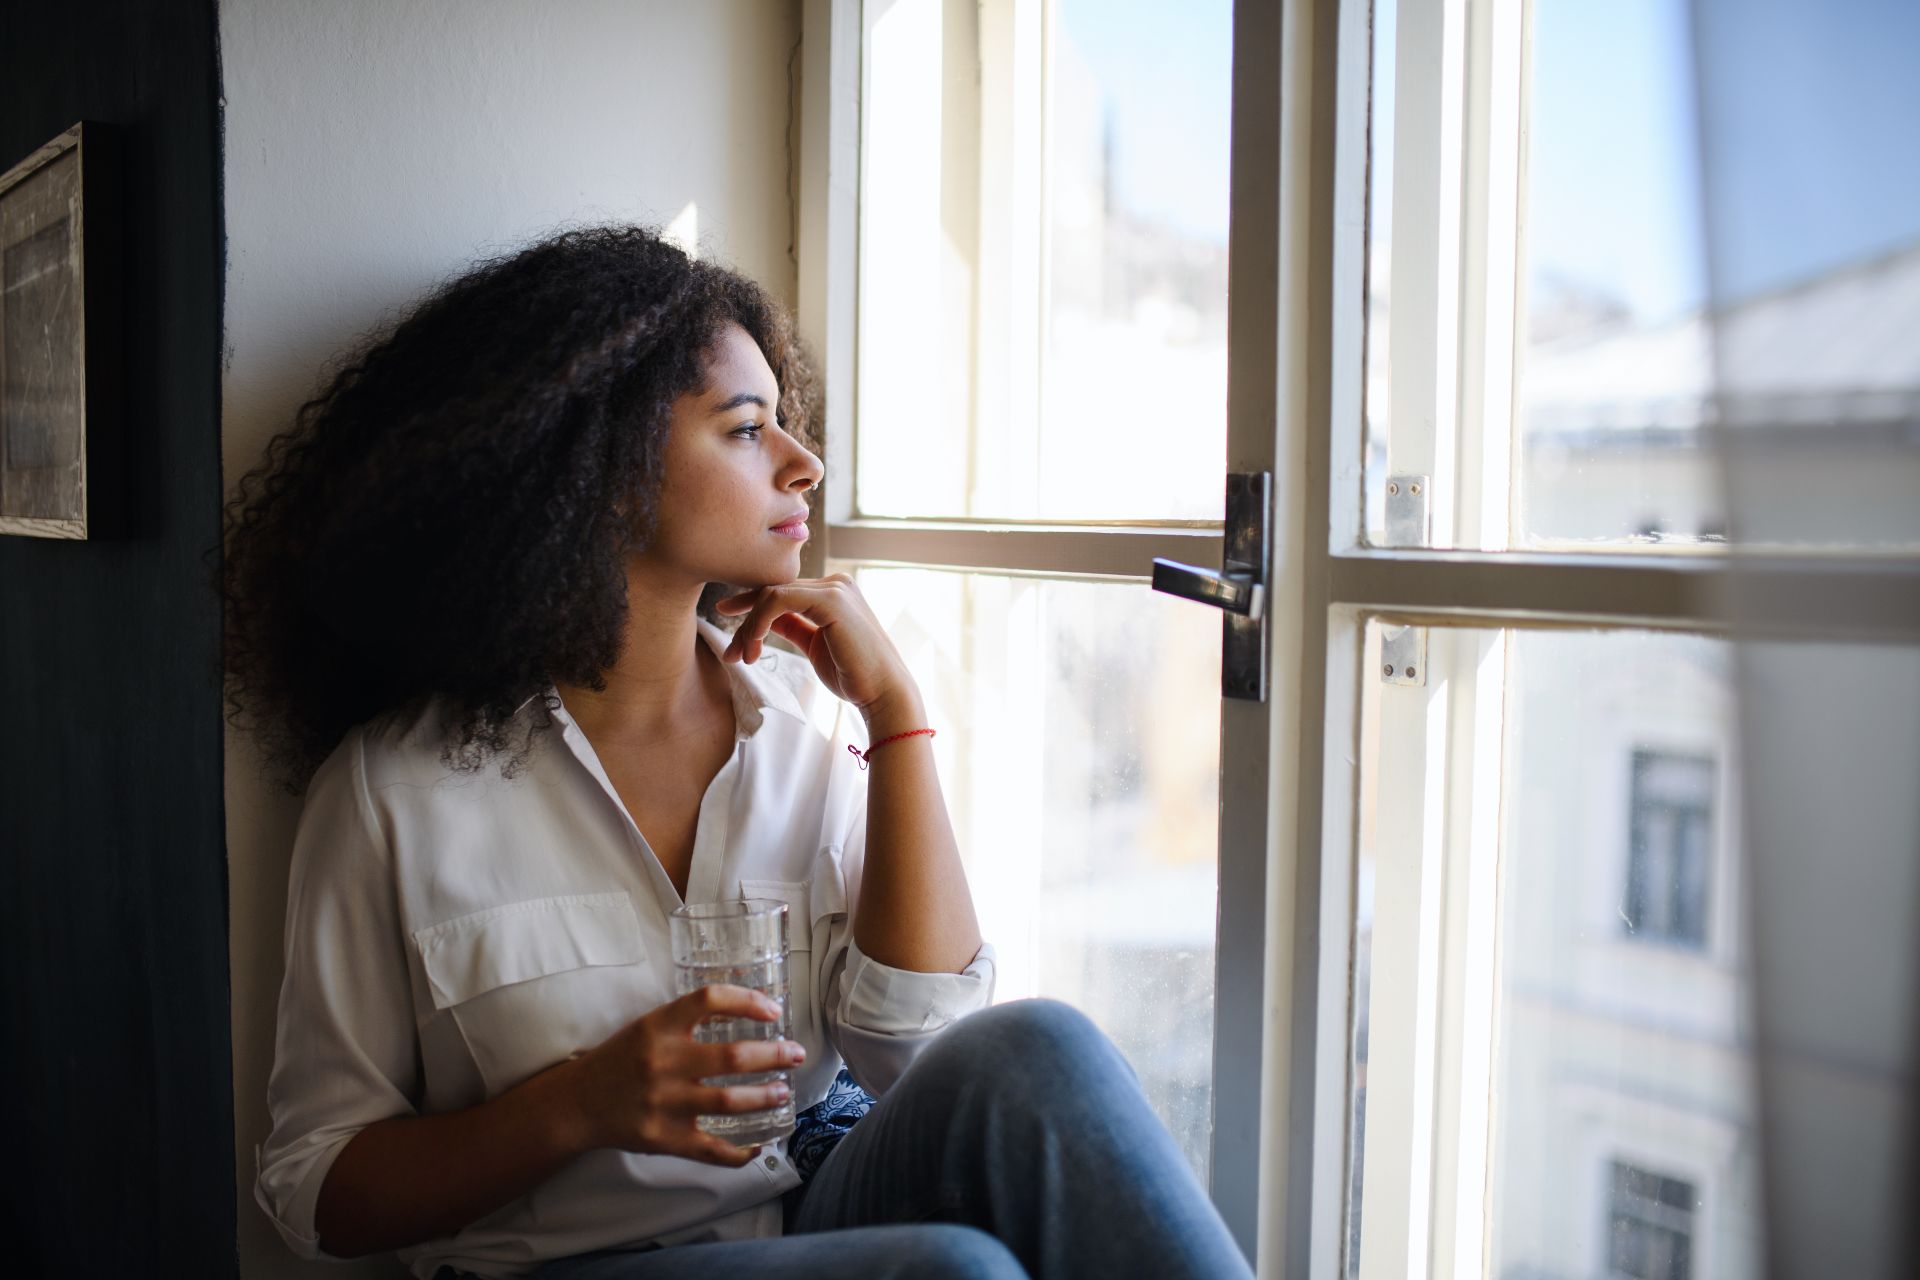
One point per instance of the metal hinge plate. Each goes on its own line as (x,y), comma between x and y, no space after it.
(1407,520)
(1403,655)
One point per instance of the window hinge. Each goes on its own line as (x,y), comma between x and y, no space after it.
(1403,655)
(1407,522)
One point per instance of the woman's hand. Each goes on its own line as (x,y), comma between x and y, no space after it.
(640,1089)
(829,621)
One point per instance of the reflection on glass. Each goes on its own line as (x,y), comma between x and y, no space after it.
(1614,1107)
(1636,329)
(1615,376)
(1079,750)
(1624,1069)
(1043,260)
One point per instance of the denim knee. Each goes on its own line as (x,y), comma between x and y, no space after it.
(1024,1029)
(1030,1046)
(948,1251)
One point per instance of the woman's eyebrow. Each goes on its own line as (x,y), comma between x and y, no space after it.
(744,397)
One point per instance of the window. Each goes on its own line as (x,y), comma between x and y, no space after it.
(1043,274)
(1650,1225)
(1533,374)
(1671,853)
(1480,348)
(1028,297)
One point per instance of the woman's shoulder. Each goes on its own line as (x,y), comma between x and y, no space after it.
(411,745)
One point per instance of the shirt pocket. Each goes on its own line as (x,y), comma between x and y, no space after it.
(530,983)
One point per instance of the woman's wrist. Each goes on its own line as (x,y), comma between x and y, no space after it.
(894,713)
(559,1101)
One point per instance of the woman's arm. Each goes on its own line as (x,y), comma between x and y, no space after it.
(412,1178)
(915,911)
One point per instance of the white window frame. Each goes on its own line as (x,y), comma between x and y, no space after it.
(1290,768)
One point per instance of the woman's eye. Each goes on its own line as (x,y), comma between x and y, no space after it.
(748,430)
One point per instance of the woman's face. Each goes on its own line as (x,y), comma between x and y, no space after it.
(731,508)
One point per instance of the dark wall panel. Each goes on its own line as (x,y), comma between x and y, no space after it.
(115,1059)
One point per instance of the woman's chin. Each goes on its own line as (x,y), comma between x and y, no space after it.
(766,575)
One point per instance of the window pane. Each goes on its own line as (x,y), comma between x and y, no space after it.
(1079,749)
(1043,281)
(1552,333)
(1614,384)
(1553,969)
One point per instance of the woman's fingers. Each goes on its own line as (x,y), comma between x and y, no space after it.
(796,629)
(733,1099)
(811,601)
(721,1000)
(743,1057)
(830,621)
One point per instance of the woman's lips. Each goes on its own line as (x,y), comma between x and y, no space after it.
(795,528)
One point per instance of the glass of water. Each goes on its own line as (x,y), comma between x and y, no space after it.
(743,943)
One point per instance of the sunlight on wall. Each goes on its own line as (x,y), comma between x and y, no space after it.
(684,230)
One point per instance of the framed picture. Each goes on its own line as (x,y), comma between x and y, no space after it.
(58,389)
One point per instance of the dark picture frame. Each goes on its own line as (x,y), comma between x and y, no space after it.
(59,389)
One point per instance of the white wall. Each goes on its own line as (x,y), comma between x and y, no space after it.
(374,147)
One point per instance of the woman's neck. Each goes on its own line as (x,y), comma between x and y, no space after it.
(665,681)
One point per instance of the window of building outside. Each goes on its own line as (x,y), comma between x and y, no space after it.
(1670,857)
(1650,1225)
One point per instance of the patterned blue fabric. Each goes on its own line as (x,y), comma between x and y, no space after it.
(818,1129)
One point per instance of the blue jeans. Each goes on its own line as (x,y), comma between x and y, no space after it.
(1017,1144)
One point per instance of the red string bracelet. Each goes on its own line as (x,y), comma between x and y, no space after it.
(861,756)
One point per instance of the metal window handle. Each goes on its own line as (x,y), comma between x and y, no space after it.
(1233,590)
(1238,588)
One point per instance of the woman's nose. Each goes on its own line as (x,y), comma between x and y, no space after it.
(807,471)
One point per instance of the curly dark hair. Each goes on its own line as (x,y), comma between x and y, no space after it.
(451,515)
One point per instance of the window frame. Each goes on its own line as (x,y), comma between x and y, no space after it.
(1297,243)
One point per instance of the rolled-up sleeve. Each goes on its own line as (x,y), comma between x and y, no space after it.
(345,1052)
(884,1016)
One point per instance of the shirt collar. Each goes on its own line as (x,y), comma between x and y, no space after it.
(757,687)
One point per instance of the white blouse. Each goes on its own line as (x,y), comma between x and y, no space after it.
(450,935)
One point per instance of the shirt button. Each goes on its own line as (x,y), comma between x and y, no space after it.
(772,1162)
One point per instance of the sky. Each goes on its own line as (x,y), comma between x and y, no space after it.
(1613,185)
(1811,114)
(1804,112)
(1166,70)
(1813,124)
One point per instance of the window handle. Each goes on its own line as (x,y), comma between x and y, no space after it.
(1233,590)
(1238,588)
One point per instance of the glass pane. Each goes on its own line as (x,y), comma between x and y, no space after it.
(1815,268)
(1554,968)
(1614,382)
(1079,750)
(1554,333)
(1043,257)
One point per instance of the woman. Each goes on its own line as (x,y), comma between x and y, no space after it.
(474,594)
